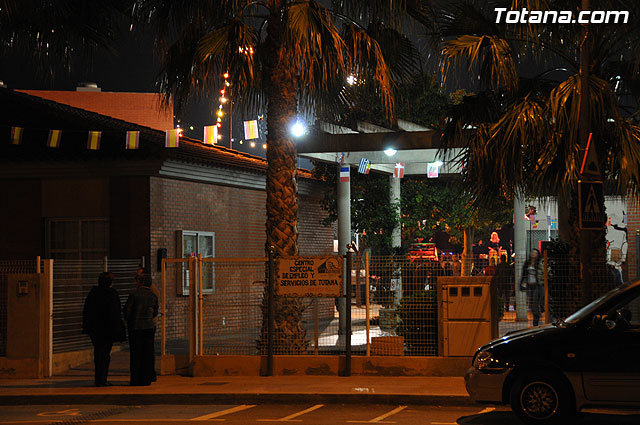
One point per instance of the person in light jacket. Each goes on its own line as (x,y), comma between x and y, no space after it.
(533,281)
(139,311)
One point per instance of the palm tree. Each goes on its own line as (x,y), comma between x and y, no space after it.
(288,58)
(530,128)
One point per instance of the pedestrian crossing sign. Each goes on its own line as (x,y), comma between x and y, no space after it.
(591,205)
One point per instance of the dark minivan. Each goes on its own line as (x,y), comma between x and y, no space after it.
(550,372)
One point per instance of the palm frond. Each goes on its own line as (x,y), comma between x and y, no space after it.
(622,159)
(315,43)
(56,34)
(564,104)
(366,57)
(232,47)
(400,54)
(491,54)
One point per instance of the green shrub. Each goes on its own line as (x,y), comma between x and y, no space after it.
(418,323)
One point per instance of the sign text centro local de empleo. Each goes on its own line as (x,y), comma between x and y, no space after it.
(309,276)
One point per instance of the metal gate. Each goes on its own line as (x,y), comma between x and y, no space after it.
(218,307)
(72,281)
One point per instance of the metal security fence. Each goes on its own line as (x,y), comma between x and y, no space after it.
(403,305)
(175,307)
(232,310)
(219,306)
(72,281)
(393,310)
(8,267)
(560,295)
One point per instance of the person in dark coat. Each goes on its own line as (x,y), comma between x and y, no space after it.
(139,311)
(102,321)
(504,280)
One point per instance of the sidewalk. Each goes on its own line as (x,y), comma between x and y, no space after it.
(238,390)
(76,387)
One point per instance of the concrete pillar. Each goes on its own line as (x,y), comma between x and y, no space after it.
(520,227)
(344,238)
(396,236)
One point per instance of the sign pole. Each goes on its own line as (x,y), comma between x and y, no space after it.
(270,312)
(347,340)
(366,295)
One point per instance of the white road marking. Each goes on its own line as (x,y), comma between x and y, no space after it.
(487,410)
(291,418)
(380,418)
(224,412)
(68,412)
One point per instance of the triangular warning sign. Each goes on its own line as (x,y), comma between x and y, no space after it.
(589,165)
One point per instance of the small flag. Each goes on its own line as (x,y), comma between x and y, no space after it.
(554,224)
(364,166)
(172,138)
(432,170)
(53,141)
(342,159)
(344,174)
(210,134)
(251,130)
(16,135)
(132,139)
(398,171)
(93,141)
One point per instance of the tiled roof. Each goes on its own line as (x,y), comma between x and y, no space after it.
(37,116)
(140,108)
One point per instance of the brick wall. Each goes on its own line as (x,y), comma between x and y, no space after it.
(140,108)
(237,217)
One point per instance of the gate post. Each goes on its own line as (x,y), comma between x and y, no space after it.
(347,340)
(163,317)
(48,317)
(270,311)
(193,291)
(200,310)
(546,287)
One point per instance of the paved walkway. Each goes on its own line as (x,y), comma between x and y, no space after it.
(238,389)
(76,387)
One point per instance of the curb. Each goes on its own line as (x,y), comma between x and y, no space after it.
(257,398)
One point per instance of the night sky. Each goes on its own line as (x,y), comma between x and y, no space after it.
(132,68)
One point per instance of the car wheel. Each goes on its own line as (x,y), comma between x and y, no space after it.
(541,398)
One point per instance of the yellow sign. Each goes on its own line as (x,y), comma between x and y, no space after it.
(309,276)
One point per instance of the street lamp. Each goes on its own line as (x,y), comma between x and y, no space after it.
(390,151)
(298,129)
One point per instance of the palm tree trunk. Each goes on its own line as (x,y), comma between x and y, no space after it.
(281,185)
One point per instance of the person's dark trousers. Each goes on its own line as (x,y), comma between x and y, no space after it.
(142,356)
(154,375)
(101,358)
(537,303)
